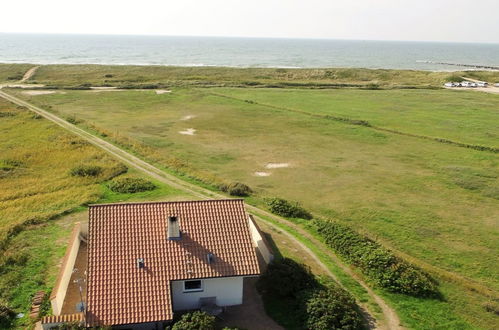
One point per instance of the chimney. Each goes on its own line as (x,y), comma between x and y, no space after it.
(173,230)
(140,263)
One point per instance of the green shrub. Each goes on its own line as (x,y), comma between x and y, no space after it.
(236,189)
(284,208)
(294,297)
(6,314)
(286,278)
(380,265)
(73,120)
(86,170)
(195,321)
(130,185)
(330,308)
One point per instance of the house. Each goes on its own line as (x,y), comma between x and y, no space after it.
(149,260)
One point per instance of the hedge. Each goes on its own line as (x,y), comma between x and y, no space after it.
(287,209)
(311,304)
(236,189)
(86,170)
(195,321)
(379,264)
(130,185)
(330,308)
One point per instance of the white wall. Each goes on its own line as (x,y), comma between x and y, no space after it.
(61,286)
(228,290)
(259,242)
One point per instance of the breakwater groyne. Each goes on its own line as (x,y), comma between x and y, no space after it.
(474,66)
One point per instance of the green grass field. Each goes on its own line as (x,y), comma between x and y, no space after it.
(40,202)
(434,202)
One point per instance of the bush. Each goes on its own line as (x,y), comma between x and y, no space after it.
(380,265)
(195,321)
(130,185)
(236,189)
(286,278)
(284,208)
(73,120)
(6,314)
(330,308)
(86,170)
(294,297)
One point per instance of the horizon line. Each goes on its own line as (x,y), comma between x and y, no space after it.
(249,37)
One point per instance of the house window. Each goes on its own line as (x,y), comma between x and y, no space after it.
(192,286)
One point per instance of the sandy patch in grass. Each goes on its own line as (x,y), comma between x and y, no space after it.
(188,117)
(262,173)
(33,93)
(277,165)
(162,91)
(189,131)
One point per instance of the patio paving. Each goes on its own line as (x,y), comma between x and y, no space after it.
(251,314)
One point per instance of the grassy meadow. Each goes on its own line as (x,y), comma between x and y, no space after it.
(433,202)
(40,202)
(36,189)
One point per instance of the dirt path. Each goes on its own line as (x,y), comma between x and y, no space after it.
(390,318)
(29,74)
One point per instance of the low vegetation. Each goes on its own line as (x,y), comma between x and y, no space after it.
(86,170)
(36,189)
(380,265)
(196,320)
(130,185)
(297,300)
(236,189)
(287,209)
(161,76)
(330,308)
(9,73)
(431,201)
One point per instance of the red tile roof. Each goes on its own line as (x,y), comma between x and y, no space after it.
(118,292)
(66,318)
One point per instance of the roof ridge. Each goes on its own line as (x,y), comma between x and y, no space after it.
(168,202)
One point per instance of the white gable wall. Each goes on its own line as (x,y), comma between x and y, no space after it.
(228,290)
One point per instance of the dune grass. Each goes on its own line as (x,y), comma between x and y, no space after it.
(435,202)
(11,73)
(130,76)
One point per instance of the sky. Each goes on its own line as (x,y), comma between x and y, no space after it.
(420,20)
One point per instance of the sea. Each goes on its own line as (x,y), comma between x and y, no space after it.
(244,52)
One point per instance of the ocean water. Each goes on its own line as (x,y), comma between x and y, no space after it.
(242,52)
